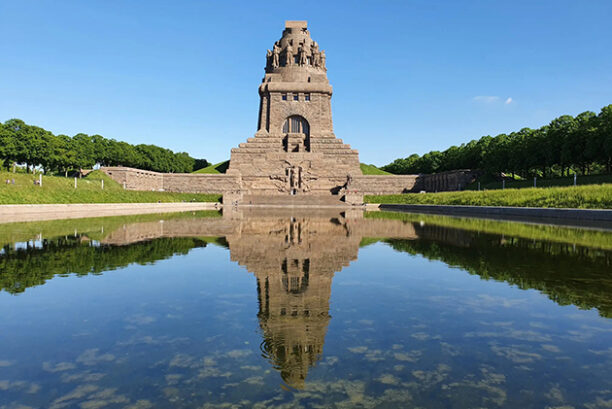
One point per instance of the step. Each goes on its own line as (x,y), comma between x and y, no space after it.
(293,200)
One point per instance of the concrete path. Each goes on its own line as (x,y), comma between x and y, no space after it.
(35,212)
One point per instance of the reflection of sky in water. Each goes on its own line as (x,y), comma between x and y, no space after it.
(404,331)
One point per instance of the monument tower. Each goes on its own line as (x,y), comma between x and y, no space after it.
(294,151)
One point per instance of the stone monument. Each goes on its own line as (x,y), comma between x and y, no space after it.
(294,151)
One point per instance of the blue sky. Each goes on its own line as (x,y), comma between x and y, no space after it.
(408,76)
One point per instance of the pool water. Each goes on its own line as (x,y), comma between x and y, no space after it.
(319,309)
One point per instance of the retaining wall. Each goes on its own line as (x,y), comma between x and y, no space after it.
(137,179)
(383,184)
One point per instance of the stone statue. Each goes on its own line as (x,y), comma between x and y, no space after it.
(268,59)
(323,59)
(303,57)
(289,53)
(316,56)
(275,55)
(293,178)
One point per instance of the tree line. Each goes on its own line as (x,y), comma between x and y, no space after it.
(34,146)
(581,144)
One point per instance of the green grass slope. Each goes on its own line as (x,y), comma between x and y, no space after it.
(220,167)
(57,189)
(550,182)
(581,197)
(372,170)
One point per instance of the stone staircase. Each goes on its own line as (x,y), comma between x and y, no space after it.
(295,200)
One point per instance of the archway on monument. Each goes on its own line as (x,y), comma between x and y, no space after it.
(297,134)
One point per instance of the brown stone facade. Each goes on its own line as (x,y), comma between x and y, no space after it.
(294,156)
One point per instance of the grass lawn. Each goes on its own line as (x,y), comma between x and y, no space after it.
(581,197)
(551,182)
(220,167)
(58,189)
(372,170)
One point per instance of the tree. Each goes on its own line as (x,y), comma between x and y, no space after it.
(84,155)
(199,164)
(604,134)
(578,142)
(582,143)
(34,146)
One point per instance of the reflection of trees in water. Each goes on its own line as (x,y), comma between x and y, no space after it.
(568,274)
(32,265)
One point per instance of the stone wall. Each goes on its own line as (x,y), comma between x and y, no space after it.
(226,184)
(383,184)
(200,183)
(137,179)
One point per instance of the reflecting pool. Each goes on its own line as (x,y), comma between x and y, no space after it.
(318,309)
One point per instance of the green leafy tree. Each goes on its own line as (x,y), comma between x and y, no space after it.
(604,134)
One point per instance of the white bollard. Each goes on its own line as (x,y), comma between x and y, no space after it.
(40,179)
(75,183)
(102,184)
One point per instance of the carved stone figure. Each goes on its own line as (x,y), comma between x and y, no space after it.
(268,60)
(275,55)
(323,59)
(289,55)
(303,57)
(316,56)
(294,177)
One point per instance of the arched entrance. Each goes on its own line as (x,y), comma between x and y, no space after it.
(297,134)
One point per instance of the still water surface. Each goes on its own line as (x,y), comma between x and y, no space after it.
(313,310)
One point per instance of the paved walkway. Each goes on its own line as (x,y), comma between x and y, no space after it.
(35,212)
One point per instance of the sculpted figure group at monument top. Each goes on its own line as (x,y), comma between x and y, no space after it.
(308,51)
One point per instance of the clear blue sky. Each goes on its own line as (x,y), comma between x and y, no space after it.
(408,76)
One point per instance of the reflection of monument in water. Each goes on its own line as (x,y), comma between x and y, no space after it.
(294,260)
(294,257)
